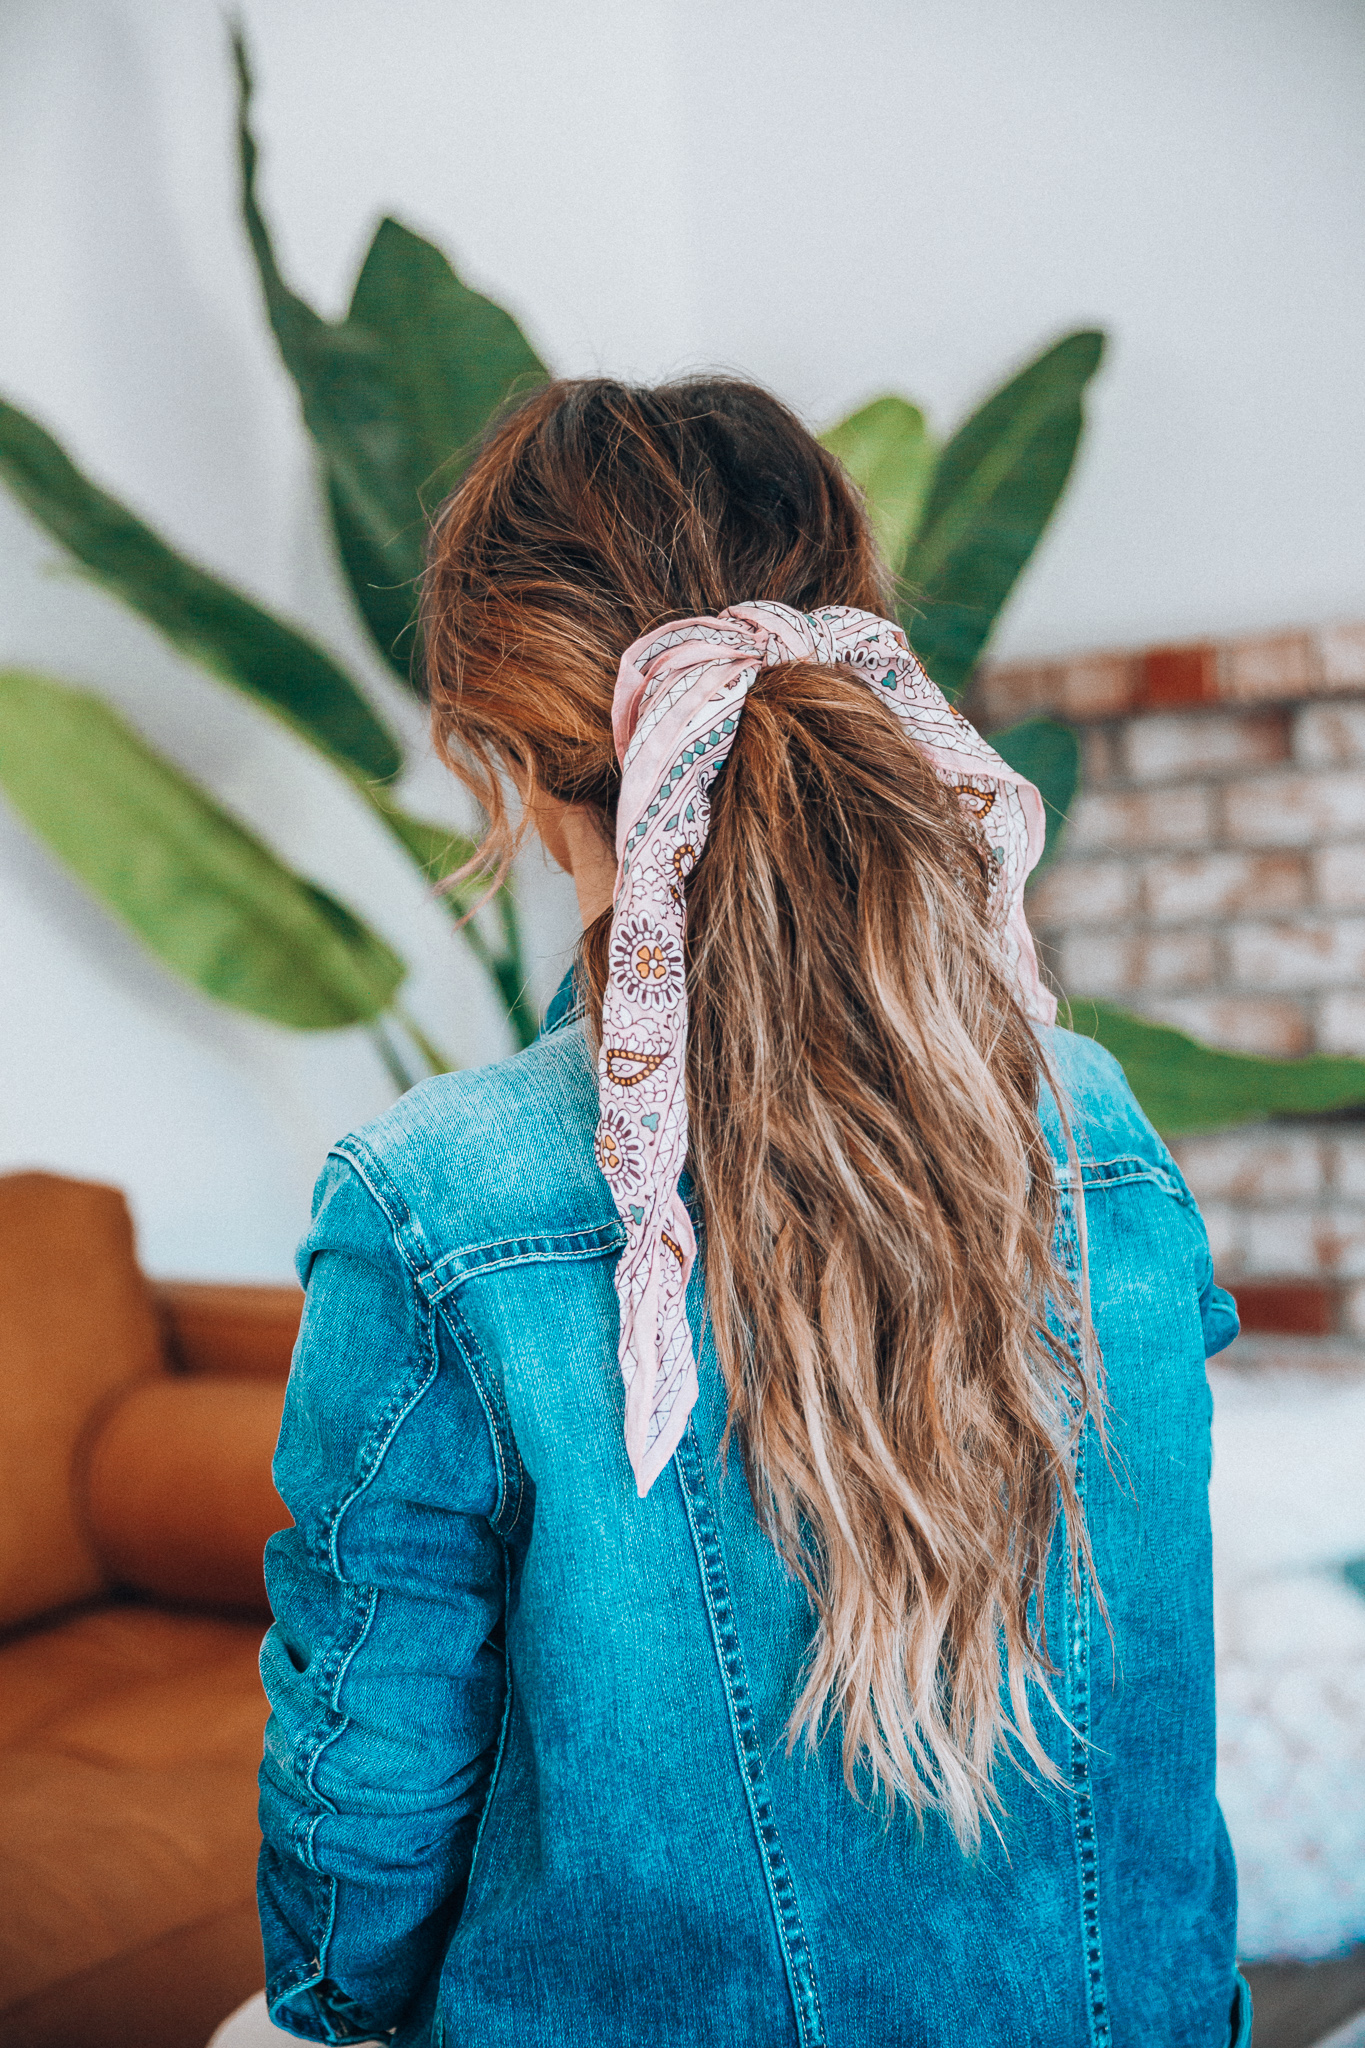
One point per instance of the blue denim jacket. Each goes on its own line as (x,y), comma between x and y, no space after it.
(525,1778)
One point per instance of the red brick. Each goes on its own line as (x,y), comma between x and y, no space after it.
(1084,892)
(1294,809)
(1330,735)
(1341,654)
(1270,666)
(1174,749)
(1104,821)
(1267,1024)
(1353,1311)
(1122,963)
(1257,1165)
(1287,1308)
(1179,675)
(1099,756)
(1341,1023)
(1181,887)
(1346,1165)
(1223,1224)
(1338,874)
(1293,1242)
(1098,686)
(1311,953)
(1009,691)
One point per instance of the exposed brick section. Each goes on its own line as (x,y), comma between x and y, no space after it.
(1271,670)
(1289,1308)
(1282,1030)
(1085,892)
(1125,964)
(1175,749)
(1341,1023)
(1255,1166)
(1311,953)
(1353,1312)
(1343,657)
(1299,808)
(1131,822)
(1213,877)
(1265,668)
(1338,875)
(1185,887)
(1330,735)
(1178,675)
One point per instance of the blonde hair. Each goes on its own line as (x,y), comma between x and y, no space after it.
(863,1088)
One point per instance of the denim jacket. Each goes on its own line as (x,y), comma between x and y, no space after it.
(526,1779)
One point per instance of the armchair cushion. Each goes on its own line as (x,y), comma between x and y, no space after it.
(78,1326)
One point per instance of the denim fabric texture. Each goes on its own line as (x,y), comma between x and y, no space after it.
(526,1779)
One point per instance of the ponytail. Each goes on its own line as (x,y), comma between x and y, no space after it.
(863,1088)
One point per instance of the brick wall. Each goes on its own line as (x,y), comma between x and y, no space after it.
(1213,877)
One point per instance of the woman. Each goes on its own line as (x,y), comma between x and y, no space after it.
(733,1604)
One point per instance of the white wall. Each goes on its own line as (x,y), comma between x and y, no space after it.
(836,200)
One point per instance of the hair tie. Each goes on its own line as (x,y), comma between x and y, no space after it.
(678,697)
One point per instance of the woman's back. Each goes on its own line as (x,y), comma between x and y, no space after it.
(737,1592)
(485,1632)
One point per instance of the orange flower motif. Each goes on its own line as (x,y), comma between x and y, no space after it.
(647,961)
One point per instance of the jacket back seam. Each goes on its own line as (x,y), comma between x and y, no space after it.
(791,1933)
(1080,1599)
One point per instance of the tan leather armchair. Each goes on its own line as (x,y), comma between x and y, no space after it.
(135,1500)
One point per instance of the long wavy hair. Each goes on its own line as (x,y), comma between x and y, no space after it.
(905,1359)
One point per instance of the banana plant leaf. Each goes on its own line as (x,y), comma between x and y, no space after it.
(1186,1087)
(994,490)
(394,395)
(205,618)
(1049,754)
(212,902)
(888,451)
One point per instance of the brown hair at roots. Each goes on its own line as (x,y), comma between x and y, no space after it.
(880,1202)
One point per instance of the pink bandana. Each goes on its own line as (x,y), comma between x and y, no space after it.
(678,697)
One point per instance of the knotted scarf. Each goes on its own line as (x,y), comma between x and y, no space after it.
(678,699)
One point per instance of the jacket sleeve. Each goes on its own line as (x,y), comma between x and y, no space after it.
(384,1668)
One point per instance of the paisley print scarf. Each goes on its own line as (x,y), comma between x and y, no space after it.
(678,698)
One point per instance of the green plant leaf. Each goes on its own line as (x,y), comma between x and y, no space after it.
(349,406)
(437,849)
(1050,755)
(993,492)
(887,450)
(205,618)
(1186,1087)
(452,356)
(394,395)
(211,901)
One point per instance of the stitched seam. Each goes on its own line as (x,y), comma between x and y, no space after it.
(521,1251)
(391,1420)
(496,1771)
(579,1240)
(800,1964)
(343,1723)
(1083,1803)
(506,1454)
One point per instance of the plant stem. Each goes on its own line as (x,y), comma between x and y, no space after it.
(509,971)
(388,1053)
(438,1061)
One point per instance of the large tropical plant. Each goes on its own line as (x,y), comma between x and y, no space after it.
(958,524)
(394,396)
